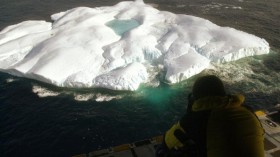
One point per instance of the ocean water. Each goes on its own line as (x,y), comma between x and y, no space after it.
(38,119)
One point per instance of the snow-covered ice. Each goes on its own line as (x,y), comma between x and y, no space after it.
(111,47)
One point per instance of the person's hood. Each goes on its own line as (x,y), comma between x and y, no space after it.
(215,102)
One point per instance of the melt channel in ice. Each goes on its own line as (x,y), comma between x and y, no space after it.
(113,47)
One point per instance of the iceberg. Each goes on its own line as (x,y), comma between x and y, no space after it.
(115,47)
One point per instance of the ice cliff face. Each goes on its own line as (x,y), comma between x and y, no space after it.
(112,47)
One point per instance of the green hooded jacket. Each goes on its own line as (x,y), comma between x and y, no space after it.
(231,130)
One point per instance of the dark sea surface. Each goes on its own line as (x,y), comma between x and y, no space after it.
(38,119)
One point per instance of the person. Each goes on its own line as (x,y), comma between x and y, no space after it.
(215,125)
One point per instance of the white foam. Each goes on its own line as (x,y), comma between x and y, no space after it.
(219,6)
(83,97)
(102,97)
(97,97)
(10,80)
(43,92)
